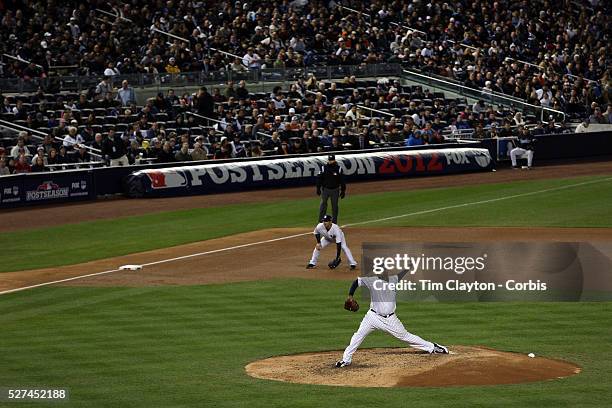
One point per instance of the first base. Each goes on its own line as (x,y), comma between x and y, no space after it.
(130,267)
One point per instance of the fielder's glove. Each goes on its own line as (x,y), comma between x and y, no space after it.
(351,304)
(334,264)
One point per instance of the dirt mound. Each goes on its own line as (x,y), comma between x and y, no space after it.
(405,367)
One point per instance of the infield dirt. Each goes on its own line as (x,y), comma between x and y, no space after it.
(280,259)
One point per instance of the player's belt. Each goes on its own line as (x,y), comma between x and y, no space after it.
(382,315)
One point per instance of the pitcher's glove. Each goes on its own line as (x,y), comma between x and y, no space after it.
(334,264)
(351,304)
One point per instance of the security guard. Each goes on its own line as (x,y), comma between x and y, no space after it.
(330,184)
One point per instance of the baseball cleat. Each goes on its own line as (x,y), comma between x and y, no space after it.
(353,267)
(311,266)
(341,364)
(438,349)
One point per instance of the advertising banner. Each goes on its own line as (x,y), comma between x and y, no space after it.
(296,171)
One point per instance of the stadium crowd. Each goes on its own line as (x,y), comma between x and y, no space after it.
(565,50)
(481,43)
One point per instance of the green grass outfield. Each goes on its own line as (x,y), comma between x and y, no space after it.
(187,346)
(180,346)
(586,205)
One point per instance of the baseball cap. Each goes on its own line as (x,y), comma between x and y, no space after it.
(326,218)
(331,157)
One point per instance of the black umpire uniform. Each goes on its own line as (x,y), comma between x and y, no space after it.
(330,184)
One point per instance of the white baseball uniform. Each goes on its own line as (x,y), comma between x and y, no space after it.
(382,316)
(523,149)
(334,235)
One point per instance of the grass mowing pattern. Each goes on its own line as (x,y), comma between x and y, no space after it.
(582,206)
(187,346)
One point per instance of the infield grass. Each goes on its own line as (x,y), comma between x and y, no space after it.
(187,346)
(578,206)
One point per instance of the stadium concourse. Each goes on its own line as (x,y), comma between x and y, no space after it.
(553,57)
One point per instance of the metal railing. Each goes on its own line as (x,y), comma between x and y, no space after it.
(83,83)
(39,135)
(488,96)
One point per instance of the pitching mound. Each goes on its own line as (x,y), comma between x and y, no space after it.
(404,367)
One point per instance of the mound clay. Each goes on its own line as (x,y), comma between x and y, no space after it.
(405,367)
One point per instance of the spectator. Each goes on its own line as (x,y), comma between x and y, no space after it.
(53,157)
(493,132)
(597,117)
(82,155)
(353,114)
(242,92)
(171,67)
(204,103)
(251,59)
(4,170)
(39,165)
(114,149)
(518,119)
(183,154)
(165,155)
(72,139)
(104,87)
(583,127)
(62,156)
(20,147)
(22,165)
(336,145)
(40,152)
(199,151)
(134,152)
(126,94)
(274,143)
(414,139)
(224,150)
(97,143)
(110,70)
(256,149)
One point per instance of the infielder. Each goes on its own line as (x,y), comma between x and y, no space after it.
(382,316)
(326,232)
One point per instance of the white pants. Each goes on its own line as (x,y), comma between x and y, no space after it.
(519,152)
(121,161)
(392,325)
(324,243)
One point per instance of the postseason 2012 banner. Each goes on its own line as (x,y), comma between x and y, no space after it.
(298,171)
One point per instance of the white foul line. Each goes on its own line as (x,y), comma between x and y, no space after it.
(267,241)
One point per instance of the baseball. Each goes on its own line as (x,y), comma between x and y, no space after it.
(531,355)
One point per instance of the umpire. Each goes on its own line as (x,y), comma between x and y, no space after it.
(330,184)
